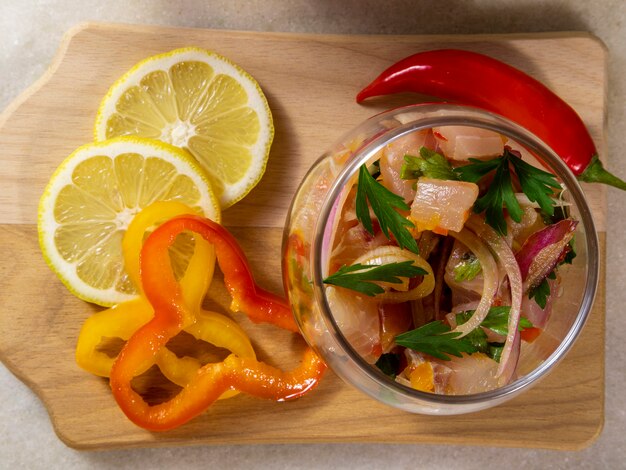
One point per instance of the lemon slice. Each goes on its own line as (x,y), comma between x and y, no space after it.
(201,102)
(93,196)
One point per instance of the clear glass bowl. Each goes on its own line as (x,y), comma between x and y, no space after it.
(306,250)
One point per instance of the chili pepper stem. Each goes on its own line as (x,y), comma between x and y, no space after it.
(596,173)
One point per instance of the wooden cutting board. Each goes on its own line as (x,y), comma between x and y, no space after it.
(310,82)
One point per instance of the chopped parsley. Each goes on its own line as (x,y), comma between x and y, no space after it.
(468,268)
(388,363)
(541,292)
(429,164)
(570,254)
(495,351)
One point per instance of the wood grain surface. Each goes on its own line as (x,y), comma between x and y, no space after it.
(310,82)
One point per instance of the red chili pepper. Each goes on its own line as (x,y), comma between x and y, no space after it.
(475,79)
(170,313)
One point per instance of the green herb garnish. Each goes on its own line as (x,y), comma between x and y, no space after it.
(436,339)
(468,268)
(362,277)
(388,363)
(477,169)
(497,320)
(478,338)
(560,213)
(384,204)
(495,351)
(571,253)
(538,185)
(374,169)
(429,164)
(541,292)
(500,193)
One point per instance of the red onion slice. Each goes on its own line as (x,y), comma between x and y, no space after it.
(506,370)
(334,218)
(393,254)
(541,252)
(532,310)
(512,269)
(490,279)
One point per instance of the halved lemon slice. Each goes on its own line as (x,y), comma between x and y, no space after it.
(201,102)
(93,196)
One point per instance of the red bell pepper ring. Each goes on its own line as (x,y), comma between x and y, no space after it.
(478,80)
(170,314)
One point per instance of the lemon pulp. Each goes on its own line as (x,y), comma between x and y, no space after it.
(201,102)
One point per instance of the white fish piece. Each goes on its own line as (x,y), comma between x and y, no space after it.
(358,320)
(473,373)
(442,204)
(392,159)
(461,143)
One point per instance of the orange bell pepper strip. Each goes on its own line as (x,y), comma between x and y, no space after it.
(170,314)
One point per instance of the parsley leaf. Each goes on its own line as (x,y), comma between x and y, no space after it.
(374,169)
(383,204)
(429,164)
(499,195)
(497,320)
(495,351)
(570,254)
(560,213)
(361,277)
(537,184)
(541,292)
(436,339)
(478,338)
(388,363)
(475,171)
(468,268)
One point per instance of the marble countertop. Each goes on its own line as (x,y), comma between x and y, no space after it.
(30,32)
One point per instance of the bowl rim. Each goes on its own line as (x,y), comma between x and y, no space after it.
(444,114)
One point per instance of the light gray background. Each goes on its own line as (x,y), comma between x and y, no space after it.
(30,32)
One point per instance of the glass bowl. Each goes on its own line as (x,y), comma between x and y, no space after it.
(306,252)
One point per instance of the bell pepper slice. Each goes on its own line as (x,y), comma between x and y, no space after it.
(122,320)
(170,312)
(119,321)
(213,328)
(143,222)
